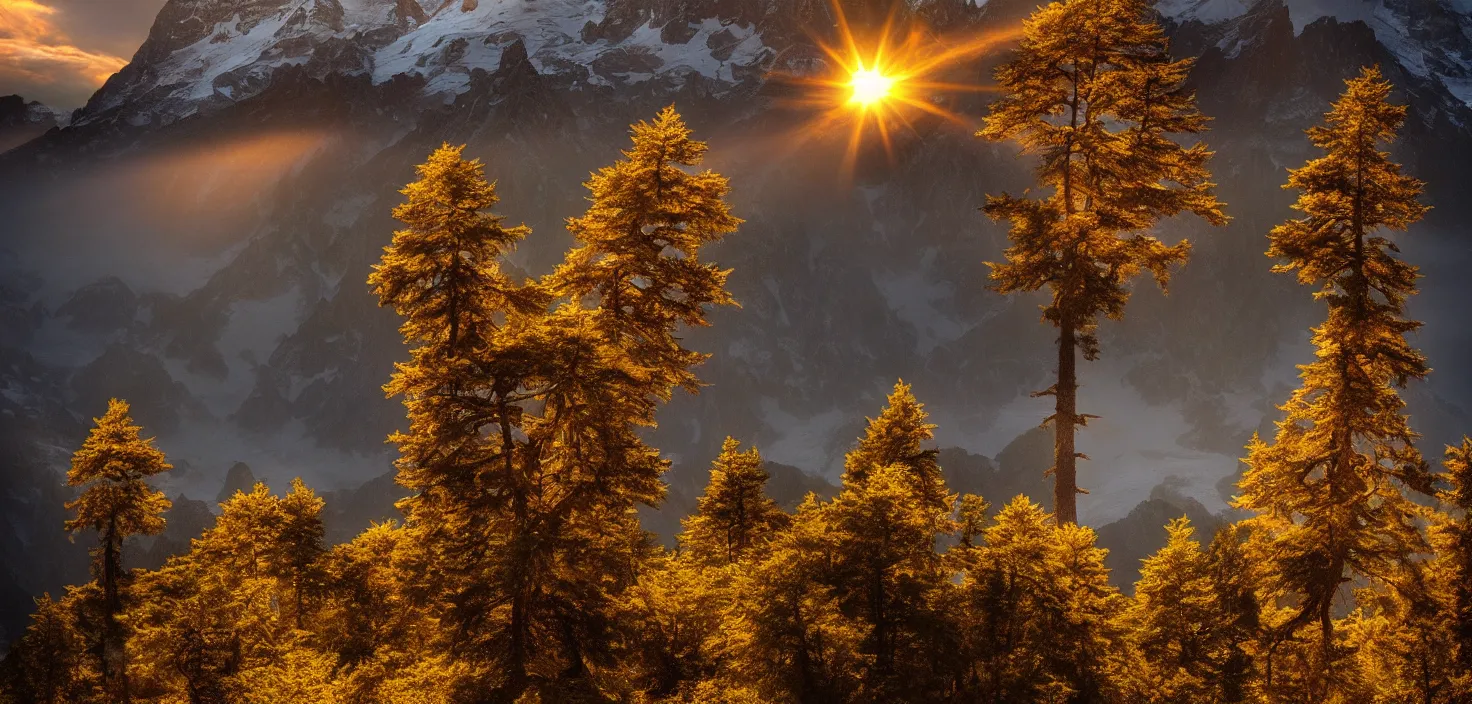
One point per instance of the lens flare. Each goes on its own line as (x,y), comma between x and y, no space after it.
(876,85)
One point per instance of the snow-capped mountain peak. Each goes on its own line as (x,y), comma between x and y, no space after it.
(206,54)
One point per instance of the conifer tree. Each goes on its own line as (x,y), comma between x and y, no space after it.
(886,521)
(46,666)
(734,515)
(113,466)
(897,437)
(638,265)
(1038,616)
(1237,580)
(207,621)
(786,635)
(639,249)
(442,274)
(1182,625)
(1330,490)
(524,445)
(300,544)
(1094,92)
(672,616)
(886,572)
(1452,537)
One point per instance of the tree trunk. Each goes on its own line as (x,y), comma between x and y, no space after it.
(1065,469)
(114,667)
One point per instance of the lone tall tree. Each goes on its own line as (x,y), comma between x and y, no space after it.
(1329,489)
(1094,92)
(113,465)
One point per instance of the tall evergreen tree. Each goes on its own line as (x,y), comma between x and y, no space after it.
(1330,490)
(886,574)
(113,466)
(1095,93)
(1038,618)
(1181,621)
(639,249)
(524,445)
(442,274)
(885,571)
(48,664)
(734,515)
(210,617)
(786,634)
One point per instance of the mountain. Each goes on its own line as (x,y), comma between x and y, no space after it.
(206,222)
(22,121)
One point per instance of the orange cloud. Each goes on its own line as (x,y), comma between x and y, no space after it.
(40,61)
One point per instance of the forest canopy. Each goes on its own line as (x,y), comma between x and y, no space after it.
(520,571)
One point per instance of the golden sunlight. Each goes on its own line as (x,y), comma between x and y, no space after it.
(870,86)
(882,81)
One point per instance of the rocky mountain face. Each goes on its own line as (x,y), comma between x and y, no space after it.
(197,239)
(22,121)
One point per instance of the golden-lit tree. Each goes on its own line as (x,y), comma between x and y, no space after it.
(786,635)
(1329,491)
(1037,615)
(48,664)
(1094,92)
(1186,620)
(898,437)
(734,515)
(443,275)
(300,545)
(639,248)
(112,467)
(524,447)
(884,568)
(209,623)
(1452,538)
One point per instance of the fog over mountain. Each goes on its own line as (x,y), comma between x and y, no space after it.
(196,239)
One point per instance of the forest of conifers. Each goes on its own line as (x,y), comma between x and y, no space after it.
(520,572)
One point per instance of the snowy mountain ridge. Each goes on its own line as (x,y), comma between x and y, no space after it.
(206,54)
(203,55)
(1431,39)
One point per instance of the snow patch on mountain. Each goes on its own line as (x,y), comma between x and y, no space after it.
(237,56)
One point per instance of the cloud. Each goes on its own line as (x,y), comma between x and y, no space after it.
(41,62)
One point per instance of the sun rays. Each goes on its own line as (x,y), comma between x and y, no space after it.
(875,84)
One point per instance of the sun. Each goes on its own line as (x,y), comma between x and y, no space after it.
(882,81)
(870,86)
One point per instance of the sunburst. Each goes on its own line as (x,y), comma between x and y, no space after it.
(877,85)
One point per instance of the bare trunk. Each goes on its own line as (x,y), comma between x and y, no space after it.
(1065,469)
(114,665)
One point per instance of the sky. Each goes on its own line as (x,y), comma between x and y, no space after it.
(60,51)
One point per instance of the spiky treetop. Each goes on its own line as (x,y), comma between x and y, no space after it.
(734,513)
(640,243)
(898,437)
(1329,489)
(1111,164)
(113,465)
(442,273)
